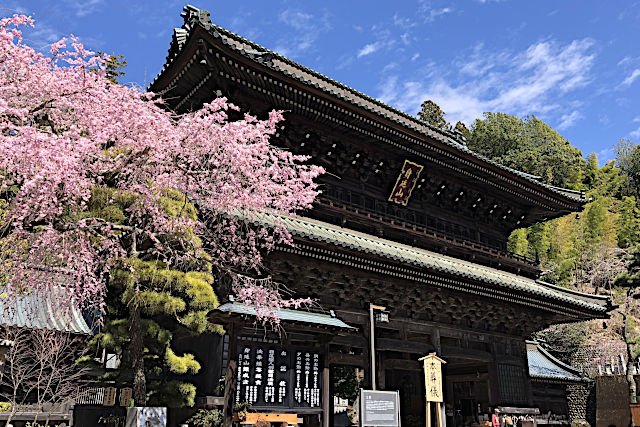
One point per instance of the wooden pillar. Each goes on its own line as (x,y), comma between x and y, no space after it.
(230,377)
(326,393)
(435,340)
(380,376)
(494,388)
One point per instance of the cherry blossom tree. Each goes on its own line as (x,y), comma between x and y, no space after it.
(187,187)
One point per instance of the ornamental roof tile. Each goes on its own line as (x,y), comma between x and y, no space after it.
(321,231)
(42,310)
(276,62)
(542,365)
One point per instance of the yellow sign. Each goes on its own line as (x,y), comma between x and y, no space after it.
(125,396)
(109,396)
(432,365)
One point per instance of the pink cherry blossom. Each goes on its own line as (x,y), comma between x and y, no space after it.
(65,130)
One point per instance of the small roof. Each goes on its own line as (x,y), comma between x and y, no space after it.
(42,310)
(543,366)
(432,356)
(339,236)
(297,316)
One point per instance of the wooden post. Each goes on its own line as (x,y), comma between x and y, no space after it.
(326,395)
(438,414)
(230,376)
(428,414)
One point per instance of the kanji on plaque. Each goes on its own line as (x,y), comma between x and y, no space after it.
(432,365)
(126,394)
(405,183)
(109,396)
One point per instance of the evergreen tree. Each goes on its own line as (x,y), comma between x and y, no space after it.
(432,114)
(528,145)
(166,300)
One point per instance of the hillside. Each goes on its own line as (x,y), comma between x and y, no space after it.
(585,251)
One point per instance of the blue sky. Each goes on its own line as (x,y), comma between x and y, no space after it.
(574,64)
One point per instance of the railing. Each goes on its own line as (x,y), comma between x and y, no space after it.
(426,224)
(91,396)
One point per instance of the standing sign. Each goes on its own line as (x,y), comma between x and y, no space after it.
(432,366)
(379,408)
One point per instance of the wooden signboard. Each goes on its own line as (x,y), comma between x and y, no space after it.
(109,396)
(432,366)
(126,394)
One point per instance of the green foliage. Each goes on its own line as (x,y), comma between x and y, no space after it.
(432,114)
(173,301)
(631,277)
(207,418)
(346,383)
(528,145)
(628,221)
(114,66)
(628,159)
(5,406)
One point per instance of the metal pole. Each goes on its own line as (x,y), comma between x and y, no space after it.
(372,350)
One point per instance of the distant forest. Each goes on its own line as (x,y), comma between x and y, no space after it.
(594,251)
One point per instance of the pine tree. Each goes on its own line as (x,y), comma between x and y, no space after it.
(165,301)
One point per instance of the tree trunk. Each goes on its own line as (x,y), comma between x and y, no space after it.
(136,349)
(230,378)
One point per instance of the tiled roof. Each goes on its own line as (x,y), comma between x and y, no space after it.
(298,316)
(41,310)
(286,66)
(325,232)
(543,365)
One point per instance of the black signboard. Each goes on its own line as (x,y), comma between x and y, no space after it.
(271,376)
(379,408)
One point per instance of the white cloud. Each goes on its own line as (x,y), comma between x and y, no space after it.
(84,7)
(521,83)
(306,27)
(568,120)
(368,49)
(635,133)
(432,14)
(631,78)
(605,155)
(636,119)
(415,56)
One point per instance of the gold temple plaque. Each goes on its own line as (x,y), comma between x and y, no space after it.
(432,365)
(405,183)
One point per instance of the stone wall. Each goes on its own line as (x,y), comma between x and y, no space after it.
(606,354)
(612,406)
(581,399)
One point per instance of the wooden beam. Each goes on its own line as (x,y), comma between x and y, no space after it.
(348,359)
(402,364)
(389,344)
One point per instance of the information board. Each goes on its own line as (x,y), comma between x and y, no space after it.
(273,376)
(379,408)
